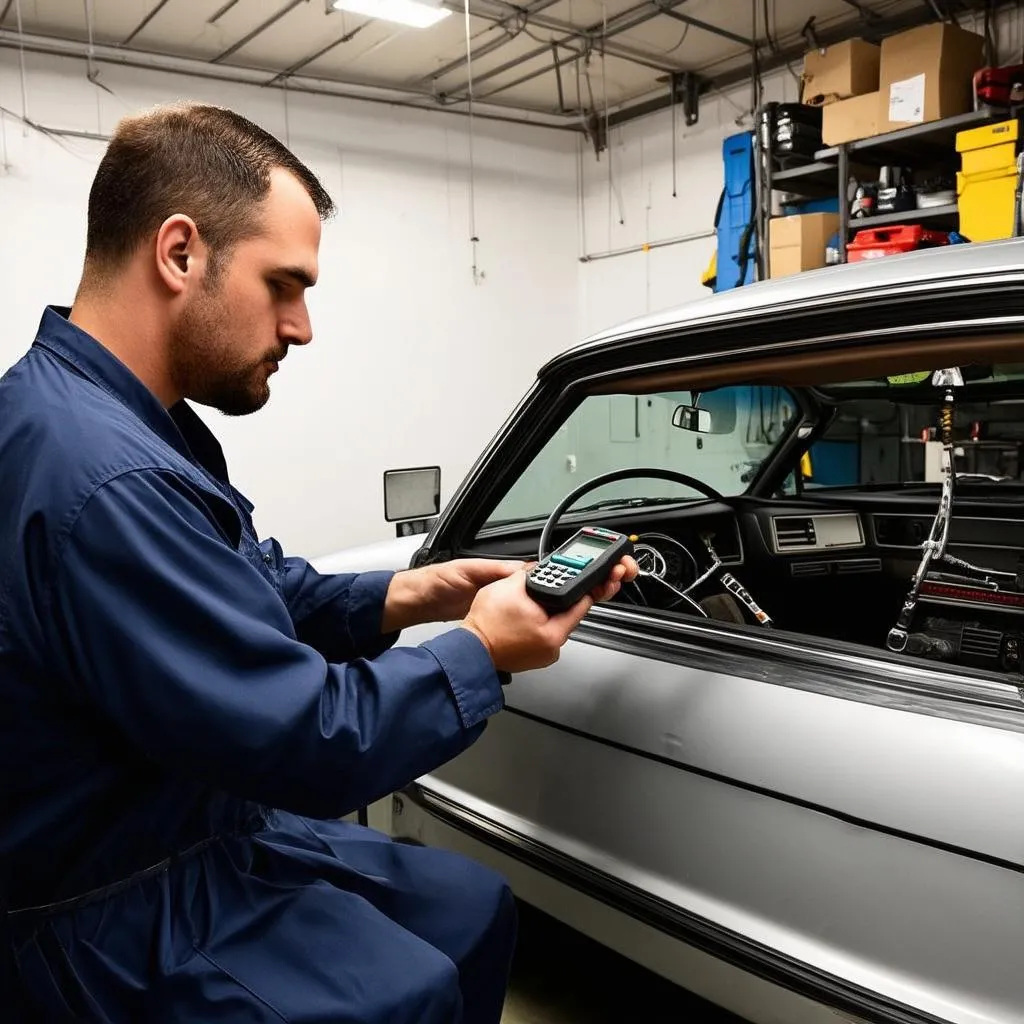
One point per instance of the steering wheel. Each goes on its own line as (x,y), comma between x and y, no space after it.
(610,478)
(727,581)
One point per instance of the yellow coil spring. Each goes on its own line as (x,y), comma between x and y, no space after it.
(947,424)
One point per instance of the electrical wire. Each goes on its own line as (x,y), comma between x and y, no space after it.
(21,49)
(474,240)
(775,28)
(54,135)
(607,121)
(287,119)
(772,45)
(991,55)
(682,39)
(675,106)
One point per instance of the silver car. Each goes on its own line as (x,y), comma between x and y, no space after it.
(785,769)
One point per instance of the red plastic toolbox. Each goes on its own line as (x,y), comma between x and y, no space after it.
(876,242)
(999,87)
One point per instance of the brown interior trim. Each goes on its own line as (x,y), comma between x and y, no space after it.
(813,366)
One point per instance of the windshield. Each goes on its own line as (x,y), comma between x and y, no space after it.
(720,437)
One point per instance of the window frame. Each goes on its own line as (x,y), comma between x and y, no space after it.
(566,381)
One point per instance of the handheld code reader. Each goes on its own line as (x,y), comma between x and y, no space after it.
(583,562)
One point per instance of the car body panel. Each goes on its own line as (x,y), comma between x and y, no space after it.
(832,821)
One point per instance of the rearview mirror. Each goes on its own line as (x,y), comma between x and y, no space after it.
(709,412)
(689,417)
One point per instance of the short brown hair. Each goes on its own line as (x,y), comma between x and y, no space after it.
(203,161)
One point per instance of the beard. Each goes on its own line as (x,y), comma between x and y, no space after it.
(205,368)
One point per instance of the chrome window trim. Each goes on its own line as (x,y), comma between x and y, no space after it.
(781,658)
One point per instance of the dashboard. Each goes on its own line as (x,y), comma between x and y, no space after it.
(836,566)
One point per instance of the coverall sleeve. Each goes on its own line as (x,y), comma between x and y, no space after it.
(338,614)
(179,641)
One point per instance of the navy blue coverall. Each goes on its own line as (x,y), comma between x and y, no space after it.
(183,714)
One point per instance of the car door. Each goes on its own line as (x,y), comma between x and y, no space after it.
(842,822)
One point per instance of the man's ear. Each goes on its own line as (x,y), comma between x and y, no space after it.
(179,252)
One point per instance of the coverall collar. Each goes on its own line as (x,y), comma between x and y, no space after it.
(179,426)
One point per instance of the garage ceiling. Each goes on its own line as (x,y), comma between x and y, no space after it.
(561,62)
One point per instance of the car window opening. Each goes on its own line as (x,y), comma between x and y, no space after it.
(875,501)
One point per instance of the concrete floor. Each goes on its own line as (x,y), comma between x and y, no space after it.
(562,977)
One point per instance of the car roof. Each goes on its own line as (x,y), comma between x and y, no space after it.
(948,267)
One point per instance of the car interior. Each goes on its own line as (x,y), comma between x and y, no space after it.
(872,495)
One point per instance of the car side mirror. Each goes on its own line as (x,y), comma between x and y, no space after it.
(412,498)
(689,417)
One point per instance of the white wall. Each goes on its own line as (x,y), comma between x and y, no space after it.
(412,364)
(638,206)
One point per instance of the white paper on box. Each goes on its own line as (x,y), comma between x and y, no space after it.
(906,100)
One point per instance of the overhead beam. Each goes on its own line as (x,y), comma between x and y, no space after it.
(258,30)
(517,16)
(629,19)
(220,12)
(867,13)
(706,27)
(300,64)
(142,24)
(557,63)
(549,67)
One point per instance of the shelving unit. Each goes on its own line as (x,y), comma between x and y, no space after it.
(923,146)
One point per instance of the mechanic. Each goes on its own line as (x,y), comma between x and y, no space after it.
(184,712)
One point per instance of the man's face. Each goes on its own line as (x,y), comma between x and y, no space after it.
(231,333)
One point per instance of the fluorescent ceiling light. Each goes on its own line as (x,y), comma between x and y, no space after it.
(416,13)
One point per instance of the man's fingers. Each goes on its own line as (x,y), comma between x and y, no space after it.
(605,592)
(569,619)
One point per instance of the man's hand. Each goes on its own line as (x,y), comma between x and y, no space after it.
(518,633)
(440,593)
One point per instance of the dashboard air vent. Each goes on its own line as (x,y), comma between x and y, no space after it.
(858,565)
(795,532)
(809,569)
(980,643)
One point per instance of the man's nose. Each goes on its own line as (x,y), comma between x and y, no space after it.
(296,330)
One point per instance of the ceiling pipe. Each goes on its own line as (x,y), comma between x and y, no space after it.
(406,99)
(661,243)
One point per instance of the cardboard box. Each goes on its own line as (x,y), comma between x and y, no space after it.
(926,75)
(798,243)
(850,120)
(838,72)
